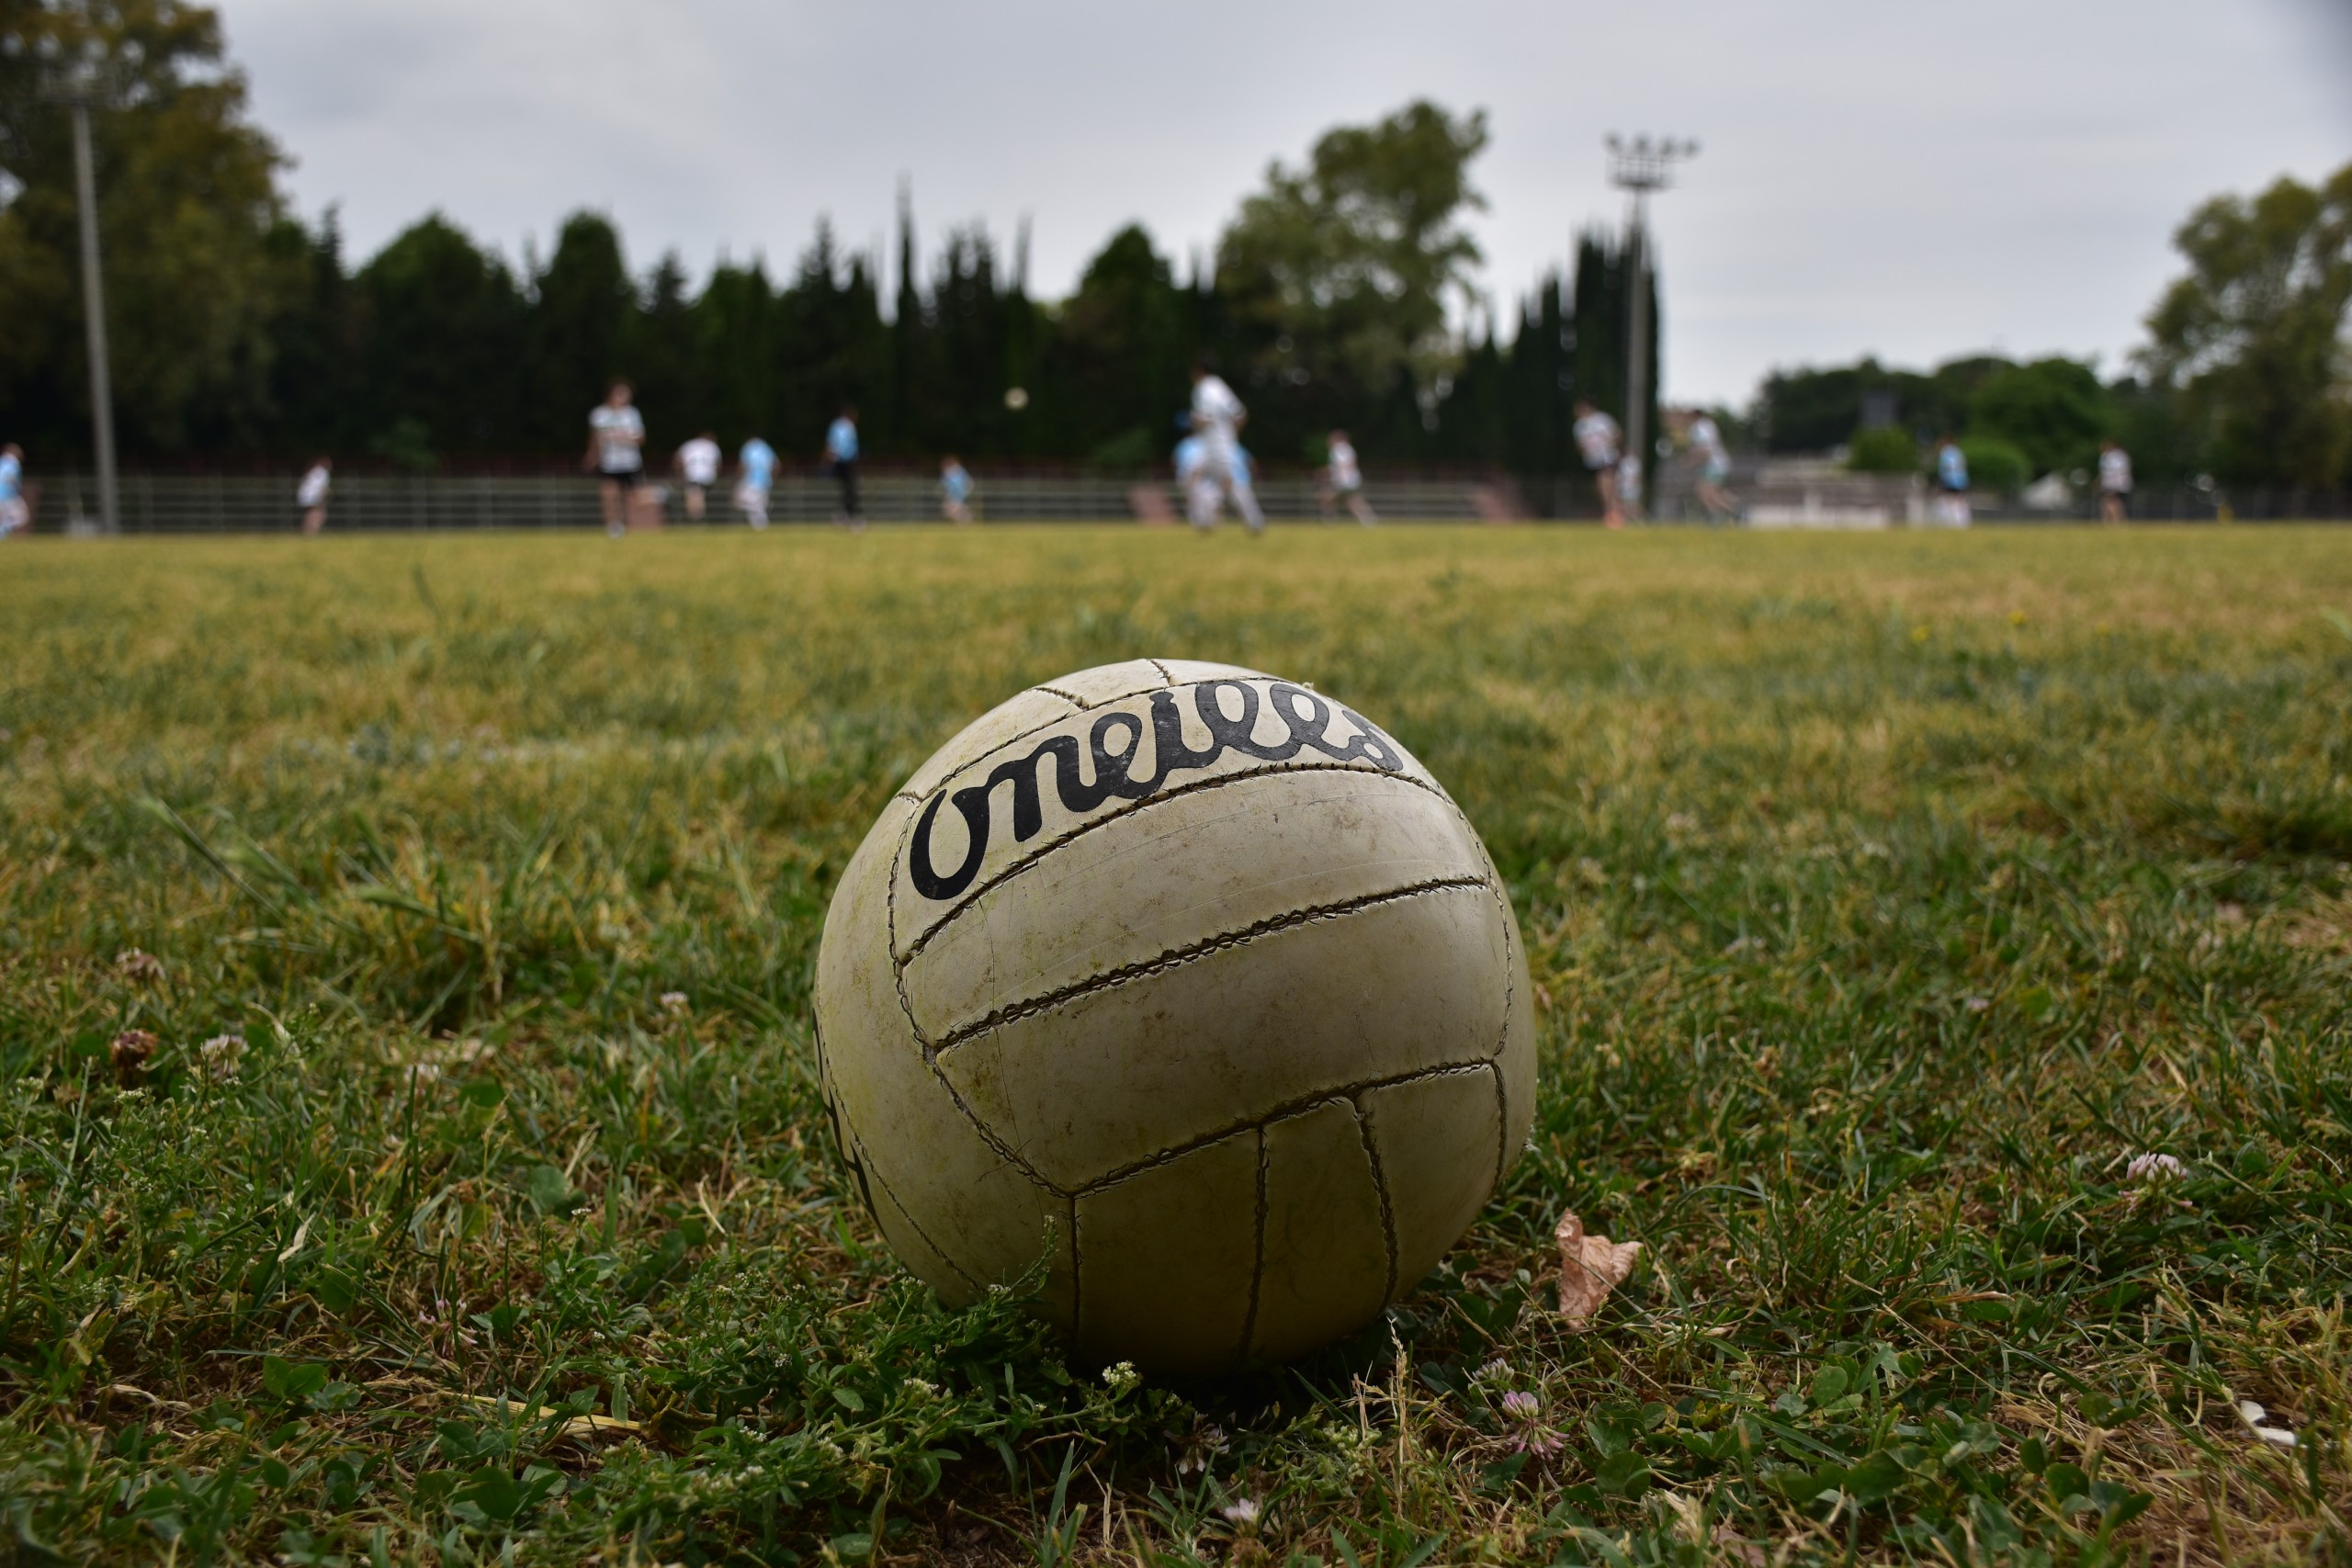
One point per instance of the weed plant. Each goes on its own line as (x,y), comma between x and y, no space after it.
(412,1154)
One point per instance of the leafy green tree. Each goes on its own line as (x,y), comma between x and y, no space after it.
(440,328)
(187,202)
(2052,410)
(2253,337)
(1341,271)
(1114,366)
(583,312)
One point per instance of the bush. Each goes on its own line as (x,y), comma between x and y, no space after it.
(1995,464)
(1883,451)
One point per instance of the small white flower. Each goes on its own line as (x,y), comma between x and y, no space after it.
(1976,1004)
(221,1054)
(673,1002)
(1493,1372)
(1521,1405)
(1122,1377)
(2145,1168)
(144,967)
(1242,1511)
(921,1388)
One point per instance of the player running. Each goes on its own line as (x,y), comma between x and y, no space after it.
(1598,440)
(1951,484)
(1217,419)
(616,455)
(1707,450)
(2114,483)
(1343,481)
(954,490)
(697,463)
(311,495)
(756,475)
(840,454)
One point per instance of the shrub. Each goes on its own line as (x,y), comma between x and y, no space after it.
(1995,464)
(1883,451)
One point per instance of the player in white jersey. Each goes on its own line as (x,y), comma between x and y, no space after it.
(756,467)
(311,495)
(1713,460)
(1217,419)
(1343,480)
(697,463)
(1596,441)
(2114,483)
(616,455)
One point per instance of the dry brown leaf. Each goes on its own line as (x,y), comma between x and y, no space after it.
(576,1428)
(1590,1267)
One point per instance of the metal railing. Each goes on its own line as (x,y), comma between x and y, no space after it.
(182,503)
(220,504)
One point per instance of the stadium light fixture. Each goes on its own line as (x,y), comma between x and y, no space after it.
(1640,168)
(81,86)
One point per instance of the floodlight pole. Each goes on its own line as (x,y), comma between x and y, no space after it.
(94,308)
(1640,168)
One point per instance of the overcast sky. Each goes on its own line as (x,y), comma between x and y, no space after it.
(1911,180)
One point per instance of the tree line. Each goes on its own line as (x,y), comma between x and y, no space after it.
(1335,297)
(2247,377)
(242,333)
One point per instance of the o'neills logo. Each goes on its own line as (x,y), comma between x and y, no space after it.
(1113,746)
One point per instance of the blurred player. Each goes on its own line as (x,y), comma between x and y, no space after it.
(2114,483)
(954,490)
(841,455)
(14,513)
(311,495)
(1714,461)
(1189,481)
(1597,440)
(1343,481)
(756,464)
(616,455)
(697,463)
(1217,419)
(1951,484)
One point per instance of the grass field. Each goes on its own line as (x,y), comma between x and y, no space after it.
(1887,897)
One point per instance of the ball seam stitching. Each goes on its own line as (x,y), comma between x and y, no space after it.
(1176,957)
(1197,786)
(1297,1105)
(1380,1189)
(987,1135)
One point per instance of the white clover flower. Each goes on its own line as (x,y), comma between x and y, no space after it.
(673,1003)
(221,1054)
(1241,1511)
(1495,1371)
(2146,1167)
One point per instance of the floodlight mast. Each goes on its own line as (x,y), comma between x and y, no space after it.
(1639,167)
(79,89)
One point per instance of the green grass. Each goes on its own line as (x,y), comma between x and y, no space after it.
(1886,896)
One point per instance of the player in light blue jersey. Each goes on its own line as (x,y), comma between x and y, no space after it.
(1951,484)
(756,464)
(840,451)
(954,490)
(14,513)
